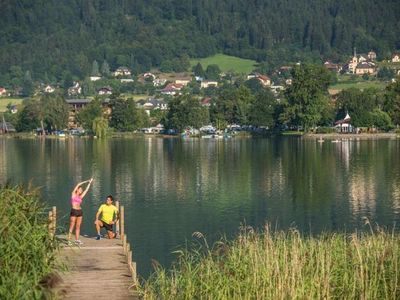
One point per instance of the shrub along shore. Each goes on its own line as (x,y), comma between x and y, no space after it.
(284,265)
(27,252)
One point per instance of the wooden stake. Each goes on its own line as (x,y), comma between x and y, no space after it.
(122,217)
(50,223)
(117,229)
(124,243)
(54,213)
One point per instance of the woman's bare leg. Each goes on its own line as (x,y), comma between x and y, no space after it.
(78,227)
(72,221)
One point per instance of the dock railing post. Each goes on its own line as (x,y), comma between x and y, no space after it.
(51,223)
(54,216)
(117,223)
(122,221)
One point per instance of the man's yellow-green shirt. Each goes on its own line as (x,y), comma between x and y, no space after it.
(107,212)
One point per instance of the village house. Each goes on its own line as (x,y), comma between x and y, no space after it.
(49,89)
(396,57)
(126,80)
(3,92)
(149,76)
(74,90)
(263,79)
(360,64)
(208,83)
(122,71)
(332,66)
(152,104)
(372,55)
(159,82)
(106,90)
(95,78)
(172,89)
(183,81)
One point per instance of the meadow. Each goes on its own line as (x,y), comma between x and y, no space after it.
(5,101)
(227,63)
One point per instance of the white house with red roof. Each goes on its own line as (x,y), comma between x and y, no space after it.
(396,57)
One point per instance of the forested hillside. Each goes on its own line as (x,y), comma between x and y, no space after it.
(57,39)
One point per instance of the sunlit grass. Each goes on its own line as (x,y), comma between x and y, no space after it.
(5,101)
(226,63)
(285,265)
(27,253)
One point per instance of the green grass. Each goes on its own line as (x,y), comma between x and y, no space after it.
(5,101)
(284,265)
(227,63)
(359,85)
(27,252)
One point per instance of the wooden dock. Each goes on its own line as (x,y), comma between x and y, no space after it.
(97,268)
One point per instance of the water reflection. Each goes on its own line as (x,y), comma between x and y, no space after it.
(173,187)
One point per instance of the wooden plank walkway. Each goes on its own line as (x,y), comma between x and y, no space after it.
(97,269)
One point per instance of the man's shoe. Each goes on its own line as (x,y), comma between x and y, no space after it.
(98,237)
(78,242)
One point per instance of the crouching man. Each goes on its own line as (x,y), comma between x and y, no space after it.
(109,216)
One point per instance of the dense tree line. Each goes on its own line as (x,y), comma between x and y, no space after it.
(57,41)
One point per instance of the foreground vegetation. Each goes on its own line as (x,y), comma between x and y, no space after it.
(27,253)
(285,265)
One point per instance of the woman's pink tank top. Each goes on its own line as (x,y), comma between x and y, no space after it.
(76,200)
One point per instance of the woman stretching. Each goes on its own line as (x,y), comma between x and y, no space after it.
(76,211)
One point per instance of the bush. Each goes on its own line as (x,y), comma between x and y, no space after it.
(27,252)
(325,130)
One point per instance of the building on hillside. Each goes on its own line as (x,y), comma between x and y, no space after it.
(332,66)
(159,82)
(74,90)
(106,90)
(49,89)
(95,78)
(263,79)
(152,104)
(126,80)
(172,89)
(372,55)
(3,91)
(183,80)
(122,71)
(208,83)
(395,57)
(365,68)
(344,125)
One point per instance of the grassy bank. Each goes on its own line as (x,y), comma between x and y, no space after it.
(27,253)
(226,63)
(285,265)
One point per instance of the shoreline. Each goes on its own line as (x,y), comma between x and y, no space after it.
(351,136)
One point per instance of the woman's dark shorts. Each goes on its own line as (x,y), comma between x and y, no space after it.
(108,227)
(76,212)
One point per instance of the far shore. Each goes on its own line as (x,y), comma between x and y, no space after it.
(352,136)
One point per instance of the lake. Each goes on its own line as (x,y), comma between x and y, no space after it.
(173,187)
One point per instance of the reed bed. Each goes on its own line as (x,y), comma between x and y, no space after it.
(284,265)
(27,252)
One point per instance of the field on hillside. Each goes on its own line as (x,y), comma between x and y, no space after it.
(227,63)
(4,102)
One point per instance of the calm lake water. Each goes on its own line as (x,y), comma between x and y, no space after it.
(172,188)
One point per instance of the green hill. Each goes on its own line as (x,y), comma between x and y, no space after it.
(227,63)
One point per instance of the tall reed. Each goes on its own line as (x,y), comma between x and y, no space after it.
(284,265)
(27,252)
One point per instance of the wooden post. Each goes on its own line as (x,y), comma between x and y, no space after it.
(122,223)
(124,243)
(54,213)
(117,230)
(128,248)
(129,257)
(132,266)
(50,223)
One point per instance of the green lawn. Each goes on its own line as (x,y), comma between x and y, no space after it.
(227,63)
(4,102)
(359,85)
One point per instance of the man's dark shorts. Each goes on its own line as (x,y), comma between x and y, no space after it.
(76,212)
(108,227)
